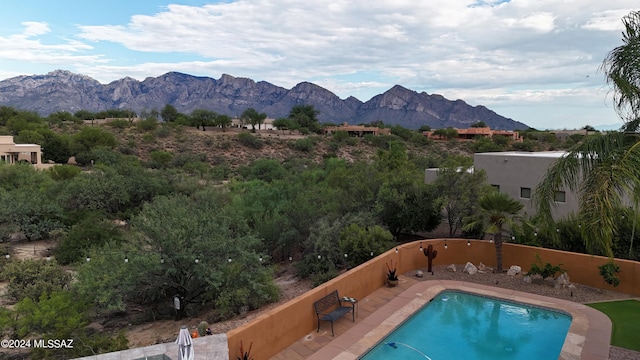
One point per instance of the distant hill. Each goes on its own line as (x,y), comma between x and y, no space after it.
(62,90)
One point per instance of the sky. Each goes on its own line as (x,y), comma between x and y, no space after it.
(535,61)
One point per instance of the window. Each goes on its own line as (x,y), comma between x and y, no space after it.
(525,193)
(559,196)
(497,187)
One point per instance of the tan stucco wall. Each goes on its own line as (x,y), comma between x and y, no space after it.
(277,329)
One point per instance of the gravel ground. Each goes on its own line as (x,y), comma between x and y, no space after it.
(581,293)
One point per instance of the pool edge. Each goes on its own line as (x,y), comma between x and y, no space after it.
(589,335)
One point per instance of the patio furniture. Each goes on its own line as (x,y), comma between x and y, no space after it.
(330,308)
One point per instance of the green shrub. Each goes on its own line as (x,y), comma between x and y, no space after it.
(545,271)
(63,172)
(251,141)
(340,136)
(119,124)
(305,145)
(91,231)
(149,124)
(321,278)
(608,272)
(160,159)
(163,132)
(351,141)
(31,278)
(148,138)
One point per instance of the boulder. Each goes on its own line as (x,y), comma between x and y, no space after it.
(452,268)
(72,161)
(562,281)
(419,273)
(514,270)
(470,269)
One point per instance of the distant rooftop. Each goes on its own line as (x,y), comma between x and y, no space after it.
(538,154)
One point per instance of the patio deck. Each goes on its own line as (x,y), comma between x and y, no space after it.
(588,337)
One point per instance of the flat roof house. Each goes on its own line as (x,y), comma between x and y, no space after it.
(11,153)
(518,175)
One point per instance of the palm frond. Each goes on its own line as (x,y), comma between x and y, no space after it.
(622,69)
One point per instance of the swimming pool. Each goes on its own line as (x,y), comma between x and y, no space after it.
(458,325)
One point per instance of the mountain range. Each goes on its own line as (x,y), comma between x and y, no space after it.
(62,90)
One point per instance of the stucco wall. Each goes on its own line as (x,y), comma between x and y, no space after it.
(282,326)
(514,170)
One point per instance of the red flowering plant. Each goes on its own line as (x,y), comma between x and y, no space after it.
(391,270)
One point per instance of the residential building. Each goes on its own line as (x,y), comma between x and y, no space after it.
(518,174)
(11,153)
(356,130)
(472,133)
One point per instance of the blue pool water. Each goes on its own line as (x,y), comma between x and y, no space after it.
(457,325)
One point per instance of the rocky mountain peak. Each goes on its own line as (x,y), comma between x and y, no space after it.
(62,90)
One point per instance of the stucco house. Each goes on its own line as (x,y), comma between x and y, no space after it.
(356,130)
(11,153)
(472,133)
(518,174)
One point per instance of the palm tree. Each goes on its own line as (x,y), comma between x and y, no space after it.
(497,209)
(622,70)
(604,169)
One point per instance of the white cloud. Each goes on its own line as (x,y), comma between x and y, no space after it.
(35,28)
(608,20)
(520,50)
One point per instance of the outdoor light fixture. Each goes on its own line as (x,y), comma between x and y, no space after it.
(229,259)
(535,234)
(372,254)
(345,255)
(445,244)
(420,247)
(7,256)
(319,256)
(48,258)
(557,230)
(290,258)
(260,258)
(468,243)
(126,260)
(396,250)
(197,260)
(513,238)
(161,261)
(88,259)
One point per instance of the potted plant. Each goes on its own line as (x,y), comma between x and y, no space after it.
(392,278)
(245,355)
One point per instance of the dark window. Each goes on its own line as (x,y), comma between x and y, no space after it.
(559,196)
(497,187)
(525,193)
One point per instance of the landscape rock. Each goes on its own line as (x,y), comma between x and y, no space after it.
(482,267)
(562,281)
(419,273)
(527,279)
(470,269)
(514,270)
(72,161)
(452,268)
